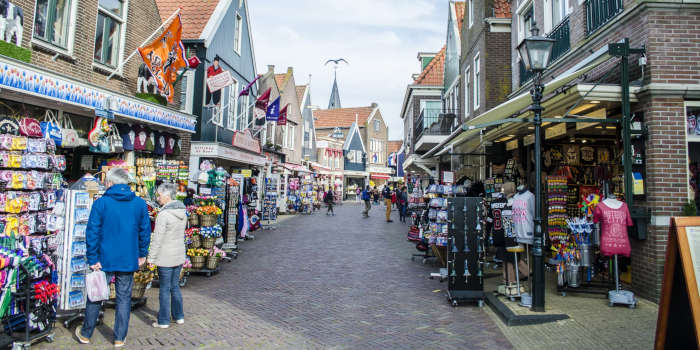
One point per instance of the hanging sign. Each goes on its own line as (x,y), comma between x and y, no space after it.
(104,114)
(678,324)
(511,145)
(246,172)
(554,131)
(245,140)
(219,81)
(528,140)
(597,114)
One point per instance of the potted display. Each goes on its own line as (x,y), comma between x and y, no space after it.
(193,239)
(198,256)
(214,257)
(192,216)
(209,235)
(208,215)
(185,268)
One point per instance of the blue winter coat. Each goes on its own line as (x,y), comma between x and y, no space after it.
(118,231)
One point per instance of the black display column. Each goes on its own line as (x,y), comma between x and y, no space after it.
(465,251)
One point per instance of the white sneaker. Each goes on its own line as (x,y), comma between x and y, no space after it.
(180,321)
(157,325)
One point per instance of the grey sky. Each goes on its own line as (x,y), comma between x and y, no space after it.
(380,39)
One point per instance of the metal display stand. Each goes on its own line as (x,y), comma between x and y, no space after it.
(465,251)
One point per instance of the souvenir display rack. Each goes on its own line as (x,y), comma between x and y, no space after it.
(202,250)
(309,196)
(269,212)
(465,250)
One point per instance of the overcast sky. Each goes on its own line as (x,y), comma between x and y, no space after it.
(379,38)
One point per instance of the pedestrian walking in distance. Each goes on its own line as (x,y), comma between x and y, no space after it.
(117,237)
(387,193)
(167,252)
(403,203)
(329,198)
(366,198)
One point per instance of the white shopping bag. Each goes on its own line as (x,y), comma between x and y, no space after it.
(97,287)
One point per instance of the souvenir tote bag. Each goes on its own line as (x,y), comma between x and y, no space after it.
(116,142)
(51,128)
(30,127)
(69,137)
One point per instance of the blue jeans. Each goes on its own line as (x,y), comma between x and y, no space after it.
(169,295)
(122,311)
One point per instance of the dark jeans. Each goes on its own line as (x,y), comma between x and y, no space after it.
(330,208)
(169,295)
(214,97)
(402,212)
(124,282)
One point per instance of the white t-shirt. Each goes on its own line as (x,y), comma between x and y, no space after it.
(523,216)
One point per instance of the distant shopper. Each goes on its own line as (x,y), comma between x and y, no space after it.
(167,252)
(387,193)
(403,203)
(394,198)
(375,194)
(366,197)
(117,237)
(329,199)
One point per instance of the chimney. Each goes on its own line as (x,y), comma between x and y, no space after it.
(290,70)
(271,68)
(374,105)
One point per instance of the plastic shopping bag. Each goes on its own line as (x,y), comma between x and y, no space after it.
(97,288)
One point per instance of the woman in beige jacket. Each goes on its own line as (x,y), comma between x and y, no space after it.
(167,252)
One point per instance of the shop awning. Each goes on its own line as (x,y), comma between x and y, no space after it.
(224,151)
(379,176)
(296,167)
(514,105)
(28,79)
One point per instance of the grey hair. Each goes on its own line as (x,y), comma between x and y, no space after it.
(118,176)
(169,189)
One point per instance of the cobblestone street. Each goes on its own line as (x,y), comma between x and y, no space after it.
(316,282)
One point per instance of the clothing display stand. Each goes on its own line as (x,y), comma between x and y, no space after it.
(465,251)
(620,296)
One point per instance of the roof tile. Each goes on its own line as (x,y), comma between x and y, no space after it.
(501,9)
(341,117)
(195,14)
(433,72)
(393,146)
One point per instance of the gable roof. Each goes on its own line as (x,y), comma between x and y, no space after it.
(393,146)
(434,71)
(194,14)
(459,12)
(501,9)
(341,117)
(354,131)
(300,94)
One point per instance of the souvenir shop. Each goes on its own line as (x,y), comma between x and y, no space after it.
(55,148)
(354,180)
(233,178)
(300,190)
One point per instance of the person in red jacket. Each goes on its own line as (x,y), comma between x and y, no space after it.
(213,70)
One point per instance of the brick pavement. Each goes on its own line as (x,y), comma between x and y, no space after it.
(316,282)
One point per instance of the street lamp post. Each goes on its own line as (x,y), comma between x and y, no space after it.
(535,52)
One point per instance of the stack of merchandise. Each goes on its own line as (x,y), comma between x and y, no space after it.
(170,170)
(293,195)
(145,177)
(557,187)
(201,237)
(270,201)
(437,215)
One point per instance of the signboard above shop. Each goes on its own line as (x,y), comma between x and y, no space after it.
(245,140)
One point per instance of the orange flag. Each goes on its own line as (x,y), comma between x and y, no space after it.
(164,56)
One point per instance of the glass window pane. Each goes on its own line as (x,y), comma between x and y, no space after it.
(61,20)
(113,6)
(183,93)
(112,41)
(99,35)
(40,19)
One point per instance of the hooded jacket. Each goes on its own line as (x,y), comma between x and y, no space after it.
(168,239)
(118,230)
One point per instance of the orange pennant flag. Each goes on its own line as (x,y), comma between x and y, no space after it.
(164,56)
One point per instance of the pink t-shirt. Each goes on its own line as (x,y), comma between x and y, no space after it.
(614,222)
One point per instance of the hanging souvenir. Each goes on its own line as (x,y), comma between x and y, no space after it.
(170,142)
(571,154)
(19,143)
(128,136)
(9,125)
(50,127)
(160,143)
(141,136)
(150,142)
(116,143)
(30,127)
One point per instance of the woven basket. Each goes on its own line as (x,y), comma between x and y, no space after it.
(182,273)
(212,262)
(138,290)
(207,220)
(196,241)
(198,261)
(112,291)
(208,242)
(193,220)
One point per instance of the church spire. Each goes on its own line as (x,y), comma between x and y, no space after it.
(334,101)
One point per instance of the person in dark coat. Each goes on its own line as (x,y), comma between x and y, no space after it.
(329,198)
(118,234)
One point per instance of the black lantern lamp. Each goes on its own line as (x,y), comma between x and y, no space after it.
(535,52)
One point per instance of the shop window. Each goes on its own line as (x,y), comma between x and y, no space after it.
(111,19)
(53,21)
(233,106)
(477,83)
(237,35)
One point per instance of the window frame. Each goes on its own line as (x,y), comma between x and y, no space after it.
(232,118)
(118,69)
(72,20)
(285,132)
(525,10)
(467,76)
(477,83)
(563,11)
(238,28)
(188,88)
(219,120)
(471,13)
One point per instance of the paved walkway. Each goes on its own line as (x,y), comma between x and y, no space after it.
(316,282)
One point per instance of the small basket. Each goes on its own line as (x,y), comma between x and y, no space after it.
(112,291)
(193,219)
(212,262)
(207,220)
(182,273)
(208,242)
(196,241)
(138,290)
(198,261)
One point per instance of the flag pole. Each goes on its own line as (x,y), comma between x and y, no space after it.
(177,12)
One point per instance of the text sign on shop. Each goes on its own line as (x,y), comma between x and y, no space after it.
(528,140)
(597,114)
(511,145)
(219,81)
(244,139)
(212,150)
(246,172)
(554,131)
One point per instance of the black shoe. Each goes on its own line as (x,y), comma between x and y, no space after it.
(390,221)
